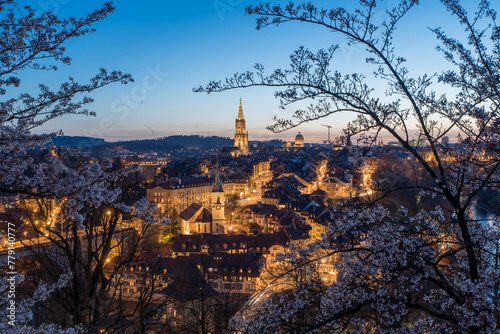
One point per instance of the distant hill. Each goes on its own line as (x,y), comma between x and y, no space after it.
(274,142)
(75,141)
(172,143)
(178,142)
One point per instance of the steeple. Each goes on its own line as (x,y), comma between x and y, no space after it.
(217,200)
(217,187)
(240,112)
(348,143)
(241,134)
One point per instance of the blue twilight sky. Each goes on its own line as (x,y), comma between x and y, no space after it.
(188,43)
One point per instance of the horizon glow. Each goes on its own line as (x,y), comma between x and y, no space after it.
(170,48)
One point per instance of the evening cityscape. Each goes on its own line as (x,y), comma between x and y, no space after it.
(235,166)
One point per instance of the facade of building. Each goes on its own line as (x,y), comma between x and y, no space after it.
(196,218)
(180,193)
(337,187)
(236,187)
(268,246)
(241,134)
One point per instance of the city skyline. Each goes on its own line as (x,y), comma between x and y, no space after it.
(176,47)
(174,209)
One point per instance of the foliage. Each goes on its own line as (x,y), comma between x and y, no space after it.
(75,210)
(23,310)
(167,238)
(431,272)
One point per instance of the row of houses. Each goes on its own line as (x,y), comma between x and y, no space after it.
(226,263)
(181,192)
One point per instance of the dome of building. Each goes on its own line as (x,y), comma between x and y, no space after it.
(299,140)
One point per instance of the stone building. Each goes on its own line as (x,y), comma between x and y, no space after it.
(241,134)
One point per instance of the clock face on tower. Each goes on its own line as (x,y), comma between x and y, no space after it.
(218,206)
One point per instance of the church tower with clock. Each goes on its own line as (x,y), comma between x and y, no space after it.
(217,200)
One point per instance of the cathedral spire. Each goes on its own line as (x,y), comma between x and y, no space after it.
(240,112)
(241,134)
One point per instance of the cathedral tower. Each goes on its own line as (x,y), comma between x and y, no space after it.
(217,200)
(241,134)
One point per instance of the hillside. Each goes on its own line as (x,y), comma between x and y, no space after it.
(177,142)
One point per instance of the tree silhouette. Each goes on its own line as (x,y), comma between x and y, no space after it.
(433,271)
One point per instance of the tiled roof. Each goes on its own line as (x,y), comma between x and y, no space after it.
(190,211)
(204,217)
(262,209)
(226,242)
